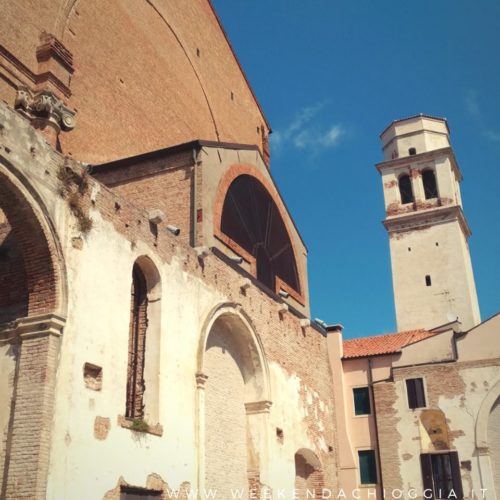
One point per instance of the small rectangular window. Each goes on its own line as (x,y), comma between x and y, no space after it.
(361,400)
(367,467)
(415,391)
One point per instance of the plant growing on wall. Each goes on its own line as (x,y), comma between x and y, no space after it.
(73,186)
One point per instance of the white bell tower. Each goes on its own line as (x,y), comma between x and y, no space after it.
(428,234)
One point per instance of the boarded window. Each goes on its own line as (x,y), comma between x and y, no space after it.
(137,345)
(361,400)
(441,475)
(367,467)
(430,186)
(405,189)
(252,220)
(415,391)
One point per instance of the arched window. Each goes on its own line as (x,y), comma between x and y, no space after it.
(144,339)
(251,219)
(405,189)
(430,186)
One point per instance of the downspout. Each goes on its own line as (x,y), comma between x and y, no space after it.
(377,443)
(194,192)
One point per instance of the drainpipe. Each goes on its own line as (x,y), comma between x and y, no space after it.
(194,193)
(377,443)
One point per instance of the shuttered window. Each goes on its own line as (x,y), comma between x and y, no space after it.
(367,467)
(441,475)
(416,394)
(361,400)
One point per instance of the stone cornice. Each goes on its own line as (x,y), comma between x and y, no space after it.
(258,407)
(32,326)
(420,219)
(422,158)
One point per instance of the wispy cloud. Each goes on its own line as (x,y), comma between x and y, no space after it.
(306,131)
(473,108)
(492,135)
(471,104)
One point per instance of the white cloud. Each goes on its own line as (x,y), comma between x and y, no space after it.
(492,135)
(304,132)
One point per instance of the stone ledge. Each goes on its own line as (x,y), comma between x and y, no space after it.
(128,423)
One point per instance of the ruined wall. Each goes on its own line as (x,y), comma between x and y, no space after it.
(90,443)
(457,390)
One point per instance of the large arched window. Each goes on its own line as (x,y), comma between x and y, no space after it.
(405,189)
(251,219)
(430,186)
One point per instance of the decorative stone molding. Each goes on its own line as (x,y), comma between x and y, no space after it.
(33,326)
(258,407)
(201,379)
(46,107)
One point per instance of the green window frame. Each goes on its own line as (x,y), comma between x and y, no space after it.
(367,467)
(362,403)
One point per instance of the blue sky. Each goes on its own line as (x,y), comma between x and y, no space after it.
(330,75)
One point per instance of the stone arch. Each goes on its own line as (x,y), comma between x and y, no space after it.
(234,382)
(488,440)
(144,342)
(483,416)
(31,240)
(242,169)
(309,476)
(32,323)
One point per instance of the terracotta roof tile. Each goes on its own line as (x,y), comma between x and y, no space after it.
(382,344)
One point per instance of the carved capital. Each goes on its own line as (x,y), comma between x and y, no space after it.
(45,106)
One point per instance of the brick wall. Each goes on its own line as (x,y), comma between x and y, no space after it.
(13,280)
(37,254)
(169,191)
(225,415)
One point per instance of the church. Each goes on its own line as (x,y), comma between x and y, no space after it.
(155,329)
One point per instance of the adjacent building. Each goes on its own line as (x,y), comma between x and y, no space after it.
(155,330)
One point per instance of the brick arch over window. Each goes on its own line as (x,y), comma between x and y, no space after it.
(309,477)
(248,208)
(28,244)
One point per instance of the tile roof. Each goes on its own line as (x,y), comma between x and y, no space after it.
(382,344)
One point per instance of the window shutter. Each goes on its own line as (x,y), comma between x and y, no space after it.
(425,463)
(455,473)
(412,397)
(419,390)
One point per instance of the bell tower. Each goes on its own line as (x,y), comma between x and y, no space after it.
(432,272)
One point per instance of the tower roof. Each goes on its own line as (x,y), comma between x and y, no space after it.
(412,117)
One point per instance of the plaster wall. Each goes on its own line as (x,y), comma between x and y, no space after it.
(441,252)
(456,390)
(478,342)
(361,429)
